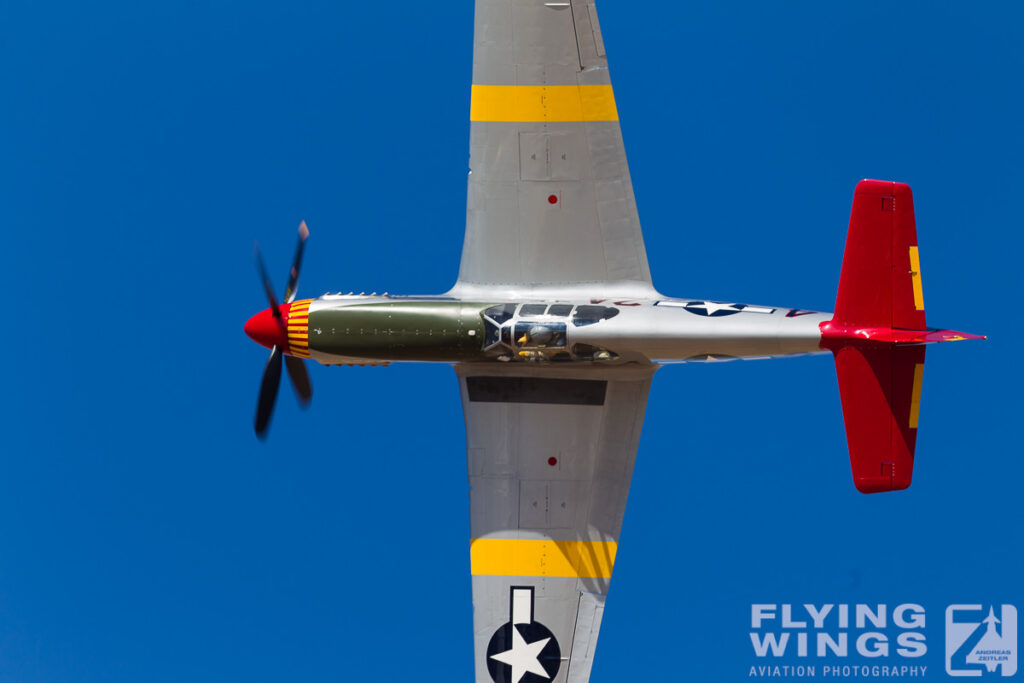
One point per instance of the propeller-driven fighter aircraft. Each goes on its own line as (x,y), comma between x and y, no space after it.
(555,330)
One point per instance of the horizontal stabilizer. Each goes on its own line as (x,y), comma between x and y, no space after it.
(936,336)
(880,387)
(834,335)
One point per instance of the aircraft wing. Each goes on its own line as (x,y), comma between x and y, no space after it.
(550,462)
(550,199)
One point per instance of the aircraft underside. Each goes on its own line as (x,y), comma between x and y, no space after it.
(347,329)
(555,330)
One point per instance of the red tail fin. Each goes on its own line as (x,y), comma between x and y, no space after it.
(880,386)
(878,334)
(880,285)
(879,294)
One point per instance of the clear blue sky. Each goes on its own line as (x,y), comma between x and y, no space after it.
(145,535)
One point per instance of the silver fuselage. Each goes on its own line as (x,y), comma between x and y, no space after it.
(382,329)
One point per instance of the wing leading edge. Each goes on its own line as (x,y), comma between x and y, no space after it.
(550,201)
(550,459)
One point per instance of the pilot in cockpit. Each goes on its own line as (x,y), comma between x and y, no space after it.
(540,335)
(536,335)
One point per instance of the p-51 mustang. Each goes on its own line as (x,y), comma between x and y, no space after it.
(555,331)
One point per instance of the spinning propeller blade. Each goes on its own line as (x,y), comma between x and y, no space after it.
(297,372)
(268,392)
(300,379)
(268,288)
(293,276)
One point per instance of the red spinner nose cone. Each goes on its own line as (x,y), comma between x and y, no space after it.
(263,328)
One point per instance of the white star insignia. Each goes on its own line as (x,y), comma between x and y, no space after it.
(712,307)
(524,657)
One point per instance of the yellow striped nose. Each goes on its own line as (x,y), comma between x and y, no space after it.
(298,328)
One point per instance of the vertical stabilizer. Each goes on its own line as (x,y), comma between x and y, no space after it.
(880,284)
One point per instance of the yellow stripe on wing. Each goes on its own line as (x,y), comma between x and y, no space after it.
(522,103)
(520,557)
